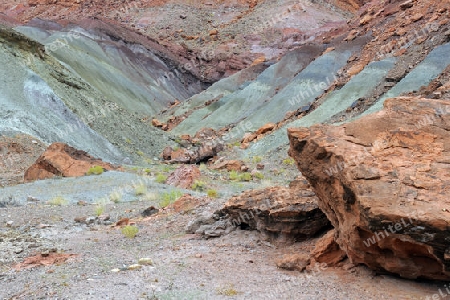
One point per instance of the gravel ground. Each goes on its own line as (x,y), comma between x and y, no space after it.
(185,266)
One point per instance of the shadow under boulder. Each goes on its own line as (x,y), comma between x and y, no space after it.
(283,215)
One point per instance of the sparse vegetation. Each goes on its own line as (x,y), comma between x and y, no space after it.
(169,197)
(140,189)
(198,185)
(130,231)
(257,159)
(115,197)
(259,175)
(160,178)
(58,201)
(245,176)
(140,153)
(99,209)
(233,175)
(288,161)
(167,169)
(95,170)
(212,193)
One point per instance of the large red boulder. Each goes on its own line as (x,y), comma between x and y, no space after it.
(384,183)
(62,160)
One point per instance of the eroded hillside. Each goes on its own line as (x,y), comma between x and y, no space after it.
(191,102)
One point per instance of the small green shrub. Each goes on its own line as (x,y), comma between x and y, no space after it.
(99,209)
(212,193)
(147,171)
(95,170)
(170,197)
(58,201)
(160,178)
(288,161)
(259,175)
(245,176)
(198,185)
(140,153)
(233,175)
(130,231)
(140,189)
(257,159)
(167,168)
(203,167)
(115,197)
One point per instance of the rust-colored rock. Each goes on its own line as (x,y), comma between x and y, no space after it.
(157,123)
(383,182)
(180,156)
(186,203)
(167,153)
(185,137)
(249,137)
(327,250)
(62,160)
(266,128)
(293,262)
(184,176)
(282,214)
(206,134)
(229,165)
(41,259)
(203,146)
(123,222)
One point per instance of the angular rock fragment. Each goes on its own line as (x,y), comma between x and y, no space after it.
(327,250)
(291,262)
(184,176)
(203,146)
(229,165)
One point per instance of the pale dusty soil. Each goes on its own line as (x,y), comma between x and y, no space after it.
(237,266)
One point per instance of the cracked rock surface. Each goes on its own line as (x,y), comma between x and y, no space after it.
(383,181)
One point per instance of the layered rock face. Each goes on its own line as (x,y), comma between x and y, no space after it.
(282,214)
(62,160)
(383,181)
